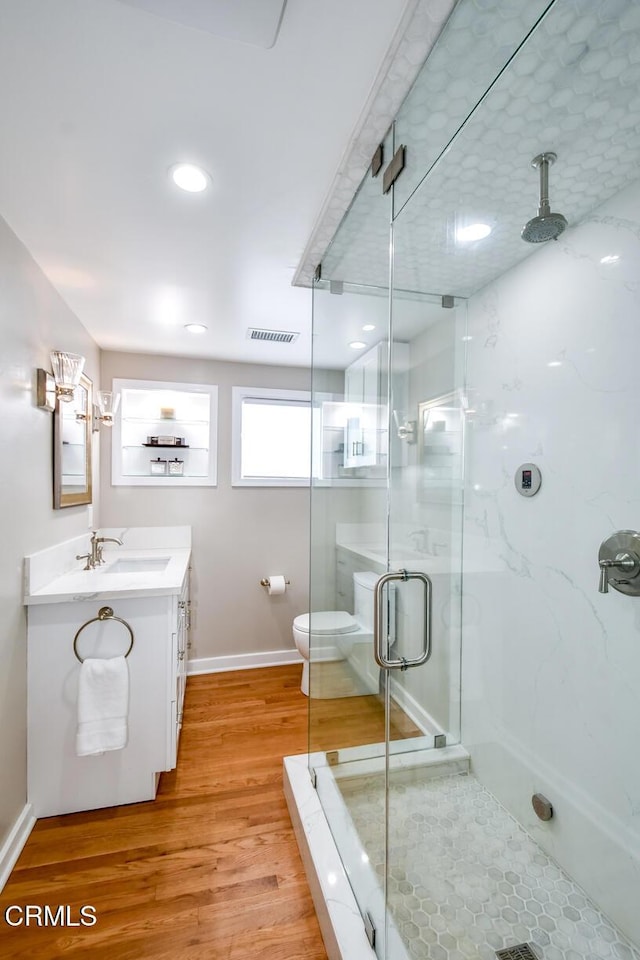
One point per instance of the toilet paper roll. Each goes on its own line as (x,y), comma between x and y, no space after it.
(276,586)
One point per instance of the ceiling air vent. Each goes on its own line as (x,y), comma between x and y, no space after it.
(273,336)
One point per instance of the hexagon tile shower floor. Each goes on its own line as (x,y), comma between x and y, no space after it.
(476,882)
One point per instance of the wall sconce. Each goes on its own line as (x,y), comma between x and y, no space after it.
(107,404)
(407,429)
(67,370)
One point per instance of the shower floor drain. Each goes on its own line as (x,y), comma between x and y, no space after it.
(521,951)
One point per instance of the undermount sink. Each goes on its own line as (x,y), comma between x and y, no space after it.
(138,565)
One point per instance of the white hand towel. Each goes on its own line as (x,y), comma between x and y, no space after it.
(103,705)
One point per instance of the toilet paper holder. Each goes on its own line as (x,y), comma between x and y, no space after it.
(265,582)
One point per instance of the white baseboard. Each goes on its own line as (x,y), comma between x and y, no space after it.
(12,847)
(243,661)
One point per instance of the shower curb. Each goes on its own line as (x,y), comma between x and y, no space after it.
(336,908)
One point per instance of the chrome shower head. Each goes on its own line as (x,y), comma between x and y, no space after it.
(542,228)
(546,225)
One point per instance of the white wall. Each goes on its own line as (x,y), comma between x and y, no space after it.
(33,321)
(240,534)
(551,685)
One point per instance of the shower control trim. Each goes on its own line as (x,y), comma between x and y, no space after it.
(527,479)
(619,562)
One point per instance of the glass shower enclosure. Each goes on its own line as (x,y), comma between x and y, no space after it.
(474,705)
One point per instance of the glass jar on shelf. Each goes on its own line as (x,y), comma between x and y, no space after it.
(158,467)
(176,467)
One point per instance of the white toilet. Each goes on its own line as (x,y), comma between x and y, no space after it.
(334,632)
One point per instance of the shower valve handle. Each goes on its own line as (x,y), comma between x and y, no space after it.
(620,553)
(622,562)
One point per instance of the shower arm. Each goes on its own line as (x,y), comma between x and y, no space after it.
(543,162)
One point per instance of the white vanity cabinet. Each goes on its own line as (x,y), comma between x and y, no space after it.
(58,780)
(180,643)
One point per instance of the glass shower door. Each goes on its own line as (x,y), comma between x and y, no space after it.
(525,837)
(347,722)
(425,520)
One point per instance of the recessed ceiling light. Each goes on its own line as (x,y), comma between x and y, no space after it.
(475,231)
(195,327)
(369,326)
(189,177)
(357,345)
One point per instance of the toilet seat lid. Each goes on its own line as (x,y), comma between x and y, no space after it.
(326,622)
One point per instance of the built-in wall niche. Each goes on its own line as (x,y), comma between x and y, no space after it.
(165,434)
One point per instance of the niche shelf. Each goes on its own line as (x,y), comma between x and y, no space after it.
(154,408)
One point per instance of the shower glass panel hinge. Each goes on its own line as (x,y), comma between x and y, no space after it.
(333,758)
(377,160)
(440,741)
(393,171)
(370,930)
(314,778)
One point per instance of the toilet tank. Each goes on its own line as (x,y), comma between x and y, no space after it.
(363,587)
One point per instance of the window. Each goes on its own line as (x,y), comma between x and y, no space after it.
(271,437)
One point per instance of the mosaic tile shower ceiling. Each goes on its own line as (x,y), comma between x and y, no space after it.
(572,88)
(469,36)
(466,880)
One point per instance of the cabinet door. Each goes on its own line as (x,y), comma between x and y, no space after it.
(363,388)
(182,654)
(371,376)
(354,382)
(345,568)
(353,431)
(353,442)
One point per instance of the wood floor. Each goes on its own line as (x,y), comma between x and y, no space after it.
(210,869)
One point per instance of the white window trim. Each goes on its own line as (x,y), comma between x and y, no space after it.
(260,393)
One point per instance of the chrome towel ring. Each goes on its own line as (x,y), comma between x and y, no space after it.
(104,613)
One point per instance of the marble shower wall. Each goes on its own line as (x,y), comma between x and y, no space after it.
(551,667)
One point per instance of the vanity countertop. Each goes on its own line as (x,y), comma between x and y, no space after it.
(408,559)
(108,581)
(481,556)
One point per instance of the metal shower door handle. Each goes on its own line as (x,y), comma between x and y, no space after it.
(378,619)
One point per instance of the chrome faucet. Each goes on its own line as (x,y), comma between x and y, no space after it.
(97,548)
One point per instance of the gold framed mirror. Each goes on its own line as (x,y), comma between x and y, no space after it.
(72,432)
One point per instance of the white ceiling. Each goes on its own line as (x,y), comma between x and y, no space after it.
(98,98)
(249,21)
